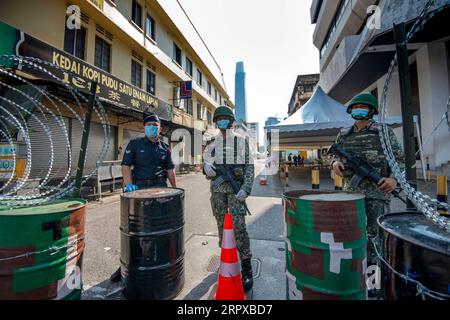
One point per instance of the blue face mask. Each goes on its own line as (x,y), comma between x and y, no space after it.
(360,114)
(223,124)
(151,131)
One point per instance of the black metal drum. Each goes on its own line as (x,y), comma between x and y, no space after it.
(152,243)
(414,246)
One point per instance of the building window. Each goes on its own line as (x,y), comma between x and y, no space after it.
(220,100)
(150,27)
(176,96)
(189,68)
(75,42)
(199,111)
(209,88)
(177,54)
(136,74)
(102,55)
(209,117)
(337,18)
(199,78)
(151,82)
(202,112)
(215,95)
(136,14)
(189,108)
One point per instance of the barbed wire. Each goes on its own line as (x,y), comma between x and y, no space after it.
(424,203)
(53,249)
(64,187)
(421,289)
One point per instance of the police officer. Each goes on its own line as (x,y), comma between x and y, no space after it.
(232,149)
(362,139)
(147,163)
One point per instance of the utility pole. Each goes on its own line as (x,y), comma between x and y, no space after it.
(84,140)
(406,101)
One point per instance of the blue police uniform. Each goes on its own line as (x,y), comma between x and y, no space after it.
(150,161)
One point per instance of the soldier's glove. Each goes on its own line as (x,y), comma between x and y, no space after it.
(210,170)
(241,195)
(130,187)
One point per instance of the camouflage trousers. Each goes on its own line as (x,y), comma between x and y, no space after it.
(221,203)
(374,209)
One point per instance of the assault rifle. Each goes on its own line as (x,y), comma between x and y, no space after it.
(361,169)
(225,174)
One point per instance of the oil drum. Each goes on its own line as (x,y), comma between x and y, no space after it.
(152,243)
(41,251)
(325,245)
(416,247)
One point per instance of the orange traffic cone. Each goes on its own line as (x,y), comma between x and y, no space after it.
(229,283)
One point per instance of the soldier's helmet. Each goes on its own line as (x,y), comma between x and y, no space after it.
(365,98)
(223,111)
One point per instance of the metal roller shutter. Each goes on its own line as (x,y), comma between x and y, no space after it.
(40,147)
(95,144)
(129,135)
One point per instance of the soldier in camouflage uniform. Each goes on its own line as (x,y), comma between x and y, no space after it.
(230,148)
(362,139)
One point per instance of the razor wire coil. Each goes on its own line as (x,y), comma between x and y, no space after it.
(424,203)
(64,187)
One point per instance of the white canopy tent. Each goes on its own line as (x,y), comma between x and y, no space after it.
(316,124)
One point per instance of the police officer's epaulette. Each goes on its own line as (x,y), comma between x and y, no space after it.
(137,139)
(164,144)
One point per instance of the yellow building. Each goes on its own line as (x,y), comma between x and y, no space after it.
(146,46)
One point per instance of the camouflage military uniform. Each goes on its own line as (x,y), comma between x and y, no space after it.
(366,145)
(223,200)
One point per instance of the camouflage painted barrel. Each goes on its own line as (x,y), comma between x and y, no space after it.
(41,251)
(152,243)
(325,245)
(414,246)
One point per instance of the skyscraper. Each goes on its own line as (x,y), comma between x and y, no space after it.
(240,94)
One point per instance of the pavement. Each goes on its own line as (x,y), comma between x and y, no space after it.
(265,227)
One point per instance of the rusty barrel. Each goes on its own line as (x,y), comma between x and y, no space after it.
(41,251)
(152,243)
(414,246)
(325,245)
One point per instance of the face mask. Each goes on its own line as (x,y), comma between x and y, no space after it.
(151,131)
(360,114)
(223,124)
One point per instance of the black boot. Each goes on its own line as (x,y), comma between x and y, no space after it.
(247,274)
(116,276)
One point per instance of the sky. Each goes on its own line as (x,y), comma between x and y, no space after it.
(273,38)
